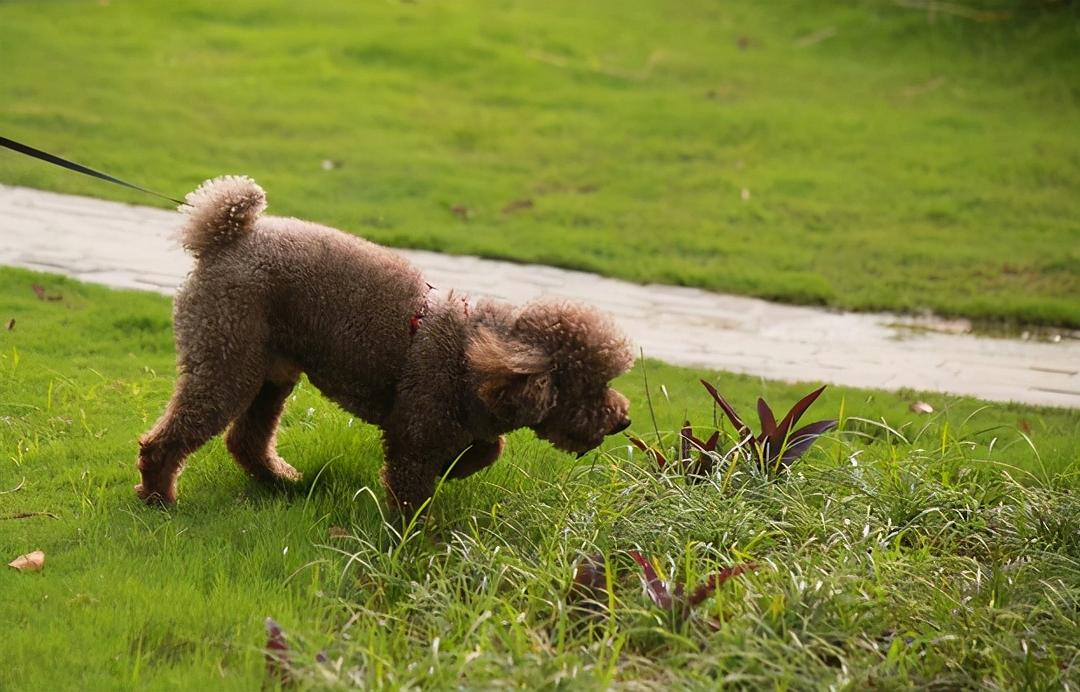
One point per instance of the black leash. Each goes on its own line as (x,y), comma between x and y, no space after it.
(78,168)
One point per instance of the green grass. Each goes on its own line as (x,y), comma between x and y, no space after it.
(905,550)
(890,162)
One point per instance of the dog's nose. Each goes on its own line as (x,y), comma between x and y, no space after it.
(619,427)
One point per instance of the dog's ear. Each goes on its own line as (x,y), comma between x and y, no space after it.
(513,379)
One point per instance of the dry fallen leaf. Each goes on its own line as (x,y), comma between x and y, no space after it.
(1024,426)
(27,515)
(277,653)
(461,211)
(31,562)
(921,407)
(11,324)
(517,205)
(39,291)
(745,195)
(338,532)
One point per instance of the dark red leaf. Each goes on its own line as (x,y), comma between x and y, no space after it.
(803,438)
(277,652)
(705,462)
(688,434)
(741,428)
(768,420)
(653,585)
(767,451)
(659,458)
(686,438)
(715,580)
(590,581)
(702,467)
(796,412)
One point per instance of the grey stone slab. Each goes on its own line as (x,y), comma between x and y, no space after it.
(128,246)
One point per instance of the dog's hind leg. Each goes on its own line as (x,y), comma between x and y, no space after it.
(200,408)
(251,437)
(219,375)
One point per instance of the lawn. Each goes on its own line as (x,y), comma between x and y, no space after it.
(902,550)
(855,154)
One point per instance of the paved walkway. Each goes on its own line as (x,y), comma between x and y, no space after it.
(127,246)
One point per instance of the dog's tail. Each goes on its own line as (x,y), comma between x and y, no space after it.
(220,211)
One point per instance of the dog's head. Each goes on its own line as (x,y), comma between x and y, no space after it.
(549,369)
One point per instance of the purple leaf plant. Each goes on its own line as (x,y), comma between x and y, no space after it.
(774,449)
(776,446)
(277,653)
(673,597)
(588,588)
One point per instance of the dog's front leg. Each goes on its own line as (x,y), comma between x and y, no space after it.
(408,479)
(415,458)
(479,455)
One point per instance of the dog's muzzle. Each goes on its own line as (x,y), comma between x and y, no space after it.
(619,427)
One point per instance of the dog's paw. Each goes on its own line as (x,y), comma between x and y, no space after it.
(277,472)
(284,471)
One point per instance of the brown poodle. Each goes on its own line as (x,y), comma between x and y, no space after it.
(271,298)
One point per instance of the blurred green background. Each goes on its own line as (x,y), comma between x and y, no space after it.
(864,155)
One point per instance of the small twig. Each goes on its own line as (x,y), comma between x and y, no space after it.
(15,489)
(28,515)
(920,89)
(933,7)
(816,37)
(596,67)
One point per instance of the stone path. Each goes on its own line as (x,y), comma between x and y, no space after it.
(128,246)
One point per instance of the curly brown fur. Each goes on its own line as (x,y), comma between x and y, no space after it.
(271,298)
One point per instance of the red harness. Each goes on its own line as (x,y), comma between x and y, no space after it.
(417,319)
